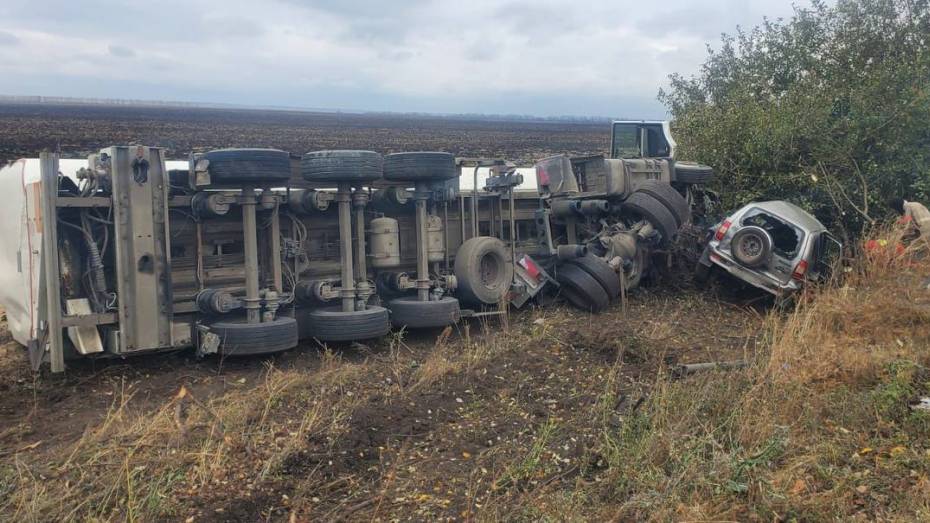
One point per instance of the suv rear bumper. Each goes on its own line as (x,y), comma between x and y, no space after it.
(712,256)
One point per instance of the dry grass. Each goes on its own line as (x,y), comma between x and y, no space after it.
(231,451)
(817,427)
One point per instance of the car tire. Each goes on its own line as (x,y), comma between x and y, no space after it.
(581,289)
(239,338)
(484,271)
(671,198)
(248,166)
(751,246)
(341,166)
(602,272)
(693,173)
(655,212)
(333,324)
(419,167)
(410,312)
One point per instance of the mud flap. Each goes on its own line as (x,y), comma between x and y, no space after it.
(37,353)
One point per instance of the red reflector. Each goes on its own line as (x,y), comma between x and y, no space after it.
(542,176)
(531,268)
(722,230)
(799,270)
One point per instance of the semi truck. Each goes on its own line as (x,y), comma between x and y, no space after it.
(241,252)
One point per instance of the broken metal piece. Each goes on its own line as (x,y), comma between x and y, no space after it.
(691,368)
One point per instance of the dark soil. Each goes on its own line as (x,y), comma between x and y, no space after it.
(77,131)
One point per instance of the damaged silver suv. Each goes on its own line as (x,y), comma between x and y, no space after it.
(775,246)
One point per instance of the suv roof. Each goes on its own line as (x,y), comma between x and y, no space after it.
(792,213)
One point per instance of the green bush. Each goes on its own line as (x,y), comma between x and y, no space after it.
(828,109)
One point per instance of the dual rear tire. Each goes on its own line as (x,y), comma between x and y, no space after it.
(333,324)
(589,283)
(239,338)
(412,313)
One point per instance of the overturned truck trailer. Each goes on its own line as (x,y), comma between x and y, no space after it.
(248,251)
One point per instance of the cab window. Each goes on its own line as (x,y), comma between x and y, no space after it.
(625,141)
(656,144)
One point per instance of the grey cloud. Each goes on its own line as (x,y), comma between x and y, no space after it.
(372,20)
(121,52)
(405,55)
(534,18)
(8,39)
(481,51)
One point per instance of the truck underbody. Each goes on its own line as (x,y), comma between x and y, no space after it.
(248,251)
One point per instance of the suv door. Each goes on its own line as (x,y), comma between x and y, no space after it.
(827,255)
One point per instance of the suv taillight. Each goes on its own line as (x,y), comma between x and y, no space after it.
(800,270)
(722,230)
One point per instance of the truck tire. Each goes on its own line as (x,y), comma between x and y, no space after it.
(248,166)
(332,324)
(581,289)
(408,311)
(600,271)
(693,173)
(655,212)
(239,338)
(751,246)
(419,167)
(484,271)
(671,198)
(341,166)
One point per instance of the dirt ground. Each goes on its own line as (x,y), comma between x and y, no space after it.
(77,131)
(487,439)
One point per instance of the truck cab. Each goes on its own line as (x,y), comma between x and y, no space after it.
(641,139)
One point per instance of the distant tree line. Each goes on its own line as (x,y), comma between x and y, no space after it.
(829,109)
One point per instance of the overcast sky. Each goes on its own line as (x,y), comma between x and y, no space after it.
(542,57)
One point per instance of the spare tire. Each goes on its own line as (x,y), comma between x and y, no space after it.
(693,173)
(341,166)
(332,324)
(581,289)
(751,246)
(419,167)
(655,212)
(410,312)
(239,338)
(484,271)
(248,166)
(671,198)
(600,271)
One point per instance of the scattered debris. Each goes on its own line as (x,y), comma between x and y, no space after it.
(691,368)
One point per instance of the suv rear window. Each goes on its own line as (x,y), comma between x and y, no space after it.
(786,239)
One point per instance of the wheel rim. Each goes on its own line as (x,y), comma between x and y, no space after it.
(489,270)
(751,246)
